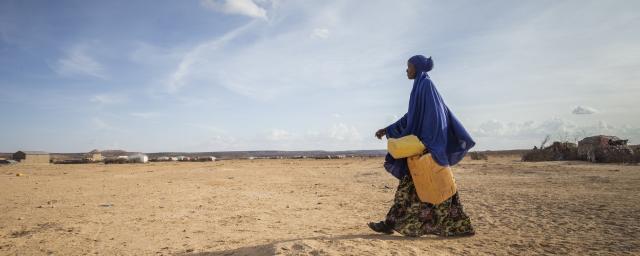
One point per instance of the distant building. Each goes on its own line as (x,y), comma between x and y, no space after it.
(32,157)
(139,158)
(605,149)
(206,158)
(94,156)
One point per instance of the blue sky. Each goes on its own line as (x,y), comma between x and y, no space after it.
(303,75)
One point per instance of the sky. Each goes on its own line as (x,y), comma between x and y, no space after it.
(212,75)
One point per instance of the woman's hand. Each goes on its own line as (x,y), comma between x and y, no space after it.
(381,133)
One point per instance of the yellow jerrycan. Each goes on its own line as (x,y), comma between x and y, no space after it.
(434,183)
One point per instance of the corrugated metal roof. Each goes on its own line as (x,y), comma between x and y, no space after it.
(34,152)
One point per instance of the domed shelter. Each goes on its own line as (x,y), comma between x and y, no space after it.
(605,149)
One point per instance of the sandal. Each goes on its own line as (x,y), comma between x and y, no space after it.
(380,227)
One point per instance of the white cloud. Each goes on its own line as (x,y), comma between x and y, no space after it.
(278,135)
(242,7)
(320,33)
(207,128)
(580,110)
(266,60)
(528,129)
(148,54)
(78,62)
(192,60)
(344,132)
(145,115)
(216,142)
(210,137)
(338,136)
(108,98)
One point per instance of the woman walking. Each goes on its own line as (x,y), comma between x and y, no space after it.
(446,140)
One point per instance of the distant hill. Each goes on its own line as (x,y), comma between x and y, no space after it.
(273,153)
(519,152)
(116,152)
(226,154)
(260,154)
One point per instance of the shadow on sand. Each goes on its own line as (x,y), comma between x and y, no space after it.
(270,248)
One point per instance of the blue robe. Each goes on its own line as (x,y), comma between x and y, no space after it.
(431,121)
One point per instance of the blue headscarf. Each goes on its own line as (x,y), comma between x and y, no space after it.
(431,121)
(421,63)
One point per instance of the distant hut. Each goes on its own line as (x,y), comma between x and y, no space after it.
(94,156)
(605,149)
(206,159)
(588,146)
(32,157)
(139,158)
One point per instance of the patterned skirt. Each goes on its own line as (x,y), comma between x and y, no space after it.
(411,217)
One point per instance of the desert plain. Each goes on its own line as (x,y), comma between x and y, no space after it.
(310,207)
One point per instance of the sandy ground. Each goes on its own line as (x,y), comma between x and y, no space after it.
(309,207)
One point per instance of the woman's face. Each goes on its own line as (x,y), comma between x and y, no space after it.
(411,71)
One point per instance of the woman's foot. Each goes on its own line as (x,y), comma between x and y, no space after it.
(380,227)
